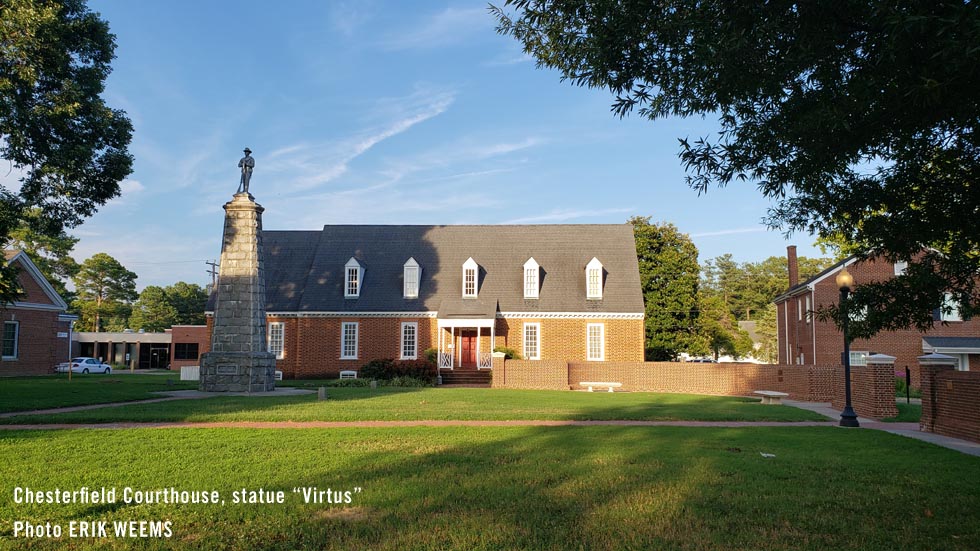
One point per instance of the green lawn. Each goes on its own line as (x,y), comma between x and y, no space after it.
(533,488)
(27,393)
(907,413)
(386,403)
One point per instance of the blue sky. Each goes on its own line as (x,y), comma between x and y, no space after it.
(377,113)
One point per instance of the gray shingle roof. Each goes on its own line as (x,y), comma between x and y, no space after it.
(304,270)
(952,342)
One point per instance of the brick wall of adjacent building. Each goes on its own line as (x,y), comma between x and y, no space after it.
(39,348)
(185,334)
(905,345)
(311,346)
(951,402)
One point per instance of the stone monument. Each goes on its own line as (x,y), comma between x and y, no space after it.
(239,360)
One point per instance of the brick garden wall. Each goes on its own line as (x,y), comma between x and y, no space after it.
(951,402)
(872,390)
(873,387)
(538,374)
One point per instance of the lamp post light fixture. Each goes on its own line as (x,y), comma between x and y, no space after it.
(845,282)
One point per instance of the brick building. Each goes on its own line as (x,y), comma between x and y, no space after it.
(342,296)
(36,329)
(178,346)
(805,340)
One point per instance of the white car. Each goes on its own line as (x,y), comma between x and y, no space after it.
(84,365)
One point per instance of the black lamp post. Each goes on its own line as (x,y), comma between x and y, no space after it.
(845,281)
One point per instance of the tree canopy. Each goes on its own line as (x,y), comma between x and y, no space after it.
(153,311)
(56,132)
(50,252)
(859,120)
(159,308)
(105,290)
(668,262)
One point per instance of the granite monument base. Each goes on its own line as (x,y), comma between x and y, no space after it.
(238,372)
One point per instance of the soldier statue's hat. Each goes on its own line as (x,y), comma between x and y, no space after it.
(247,150)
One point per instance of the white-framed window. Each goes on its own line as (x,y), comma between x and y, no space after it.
(799,309)
(471,272)
(859,357)
(593,279)
(950,310)
(11,337)
(353,278)
(410,340)
(411,275)
(596,341)
(809,309)
(276,338)
(900,268)
(348,340)
(531,273)
(532,341)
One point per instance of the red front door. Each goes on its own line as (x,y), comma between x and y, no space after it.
(467,349)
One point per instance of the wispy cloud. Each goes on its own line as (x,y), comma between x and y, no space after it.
(309,165)
(347,17)
(508,59)
(733,231)
(449,26)
(458,155)
(563,215)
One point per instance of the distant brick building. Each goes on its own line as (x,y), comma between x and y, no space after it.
(805,340)
(36,328)
(340,297)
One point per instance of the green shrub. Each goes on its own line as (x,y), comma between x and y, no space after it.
(431,355)
(347,383)
(509,353)
(900,389)
(386,370)
(406,381)
(377,369)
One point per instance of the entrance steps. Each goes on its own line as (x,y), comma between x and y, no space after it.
(469,376)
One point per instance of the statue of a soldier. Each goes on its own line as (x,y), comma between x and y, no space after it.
(247,163)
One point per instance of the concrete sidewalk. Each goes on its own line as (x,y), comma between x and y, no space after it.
(909,430)
(171,395)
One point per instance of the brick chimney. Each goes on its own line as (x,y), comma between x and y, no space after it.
(793,265)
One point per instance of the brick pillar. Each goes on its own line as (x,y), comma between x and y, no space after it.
(881,386)
(930,366)
(499,374)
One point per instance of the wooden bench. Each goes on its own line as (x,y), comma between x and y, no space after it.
(348,374)
(771,397)
(610,386)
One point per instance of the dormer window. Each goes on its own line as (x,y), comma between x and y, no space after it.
(470,282)
(412,273)
(353,277)
(593,279)
(531,272)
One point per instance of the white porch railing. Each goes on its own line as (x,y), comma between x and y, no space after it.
(485,361)
(445,360)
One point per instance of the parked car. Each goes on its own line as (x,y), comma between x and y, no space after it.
(84,365)
(702,361)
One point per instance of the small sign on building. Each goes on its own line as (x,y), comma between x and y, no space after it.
(62,335)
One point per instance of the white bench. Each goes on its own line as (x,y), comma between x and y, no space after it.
(348,374)
(609,386)
(771,397)
(278,375)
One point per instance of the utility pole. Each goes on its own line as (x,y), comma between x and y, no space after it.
(213,271)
